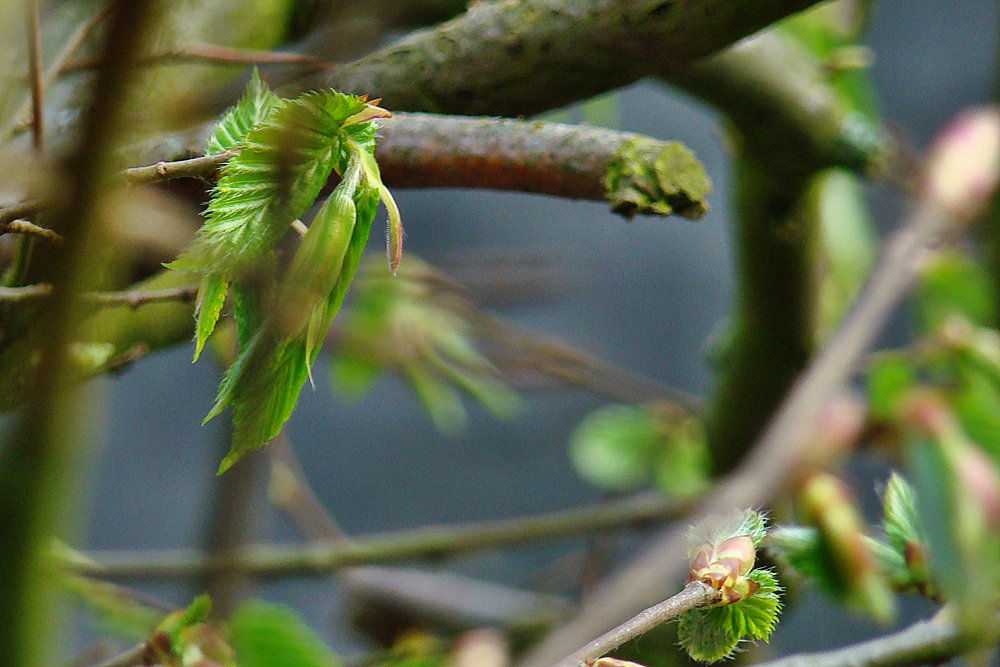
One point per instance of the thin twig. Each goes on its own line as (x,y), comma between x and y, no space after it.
(30,229)
(932,642)
(130,658)
(35,76)
(69,47)
(427,542)
(129,298)
(136,298)
(21,294)
(200,167)
(695,595)
(217,54)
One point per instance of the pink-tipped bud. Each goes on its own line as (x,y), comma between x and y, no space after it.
(964,163)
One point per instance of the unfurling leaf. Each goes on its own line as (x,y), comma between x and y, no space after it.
(211,298)
(285,152)
(415,326)
(715,633)
(253,108)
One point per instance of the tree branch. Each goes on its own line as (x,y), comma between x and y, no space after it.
(521,57)
(573,161)
(434,541)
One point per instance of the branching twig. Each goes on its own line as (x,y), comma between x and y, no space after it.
(433,541)
(695,595)
(69,47)
(519,57)
(200,167)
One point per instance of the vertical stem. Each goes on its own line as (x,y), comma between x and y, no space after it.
(37,461)
(772,329)
(35,76)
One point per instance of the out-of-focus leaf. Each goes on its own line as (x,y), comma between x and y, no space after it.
(269,635)
(847,244)
(412,325)
(844,551)
(953,284)
(890,377)
(682,462)
(615,447)
(958,492)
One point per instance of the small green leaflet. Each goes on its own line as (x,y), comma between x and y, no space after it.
(714,633)
(250,112)
(285,151)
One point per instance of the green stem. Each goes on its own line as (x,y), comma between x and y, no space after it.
(772,335)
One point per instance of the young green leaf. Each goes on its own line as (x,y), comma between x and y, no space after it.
(267,635)
(211,298)
(253,108)
(715,633)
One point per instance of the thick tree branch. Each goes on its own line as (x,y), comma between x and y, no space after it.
(434,541)
(573,161)
(521,57)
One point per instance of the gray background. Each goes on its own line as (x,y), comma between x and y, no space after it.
(645,295)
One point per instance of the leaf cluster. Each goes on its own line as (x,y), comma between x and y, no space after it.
(285,151)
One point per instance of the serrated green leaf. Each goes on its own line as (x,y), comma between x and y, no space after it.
(269,635)
(250,112)
(890,377)
(263,394)
(714,633)
(953,284)
(899,514)
(272,181)
(211,297)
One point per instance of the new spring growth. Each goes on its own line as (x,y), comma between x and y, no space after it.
(724,566)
